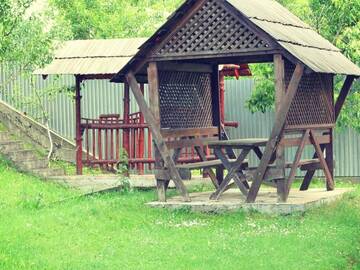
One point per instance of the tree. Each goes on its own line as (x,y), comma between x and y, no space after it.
(91,19)
(27,42)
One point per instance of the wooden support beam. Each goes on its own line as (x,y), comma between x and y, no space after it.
(78,138)
(343,94)
(295,165)
(158,139)
(320,154)
(276,132)
(280,92)
(338,107)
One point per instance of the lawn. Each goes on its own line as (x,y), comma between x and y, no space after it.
(44,226)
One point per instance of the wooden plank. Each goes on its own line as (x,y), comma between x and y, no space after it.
(289,142)
(276,132)
(209,172)
(296,163)
(158,139)
(184,67)
(320,154)
(183,143)
(239,143)
(188,132)
(304,127)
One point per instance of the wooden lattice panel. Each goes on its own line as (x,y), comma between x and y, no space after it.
(211,30)
(313,104)
(185,99)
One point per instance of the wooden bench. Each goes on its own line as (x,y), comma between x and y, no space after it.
(272,173)
(196,138)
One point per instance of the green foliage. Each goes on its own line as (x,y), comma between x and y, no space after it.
(90,19)
(263,97)
(28,39)
(118,231)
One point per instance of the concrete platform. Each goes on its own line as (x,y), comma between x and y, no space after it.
(88,184)
(233,200)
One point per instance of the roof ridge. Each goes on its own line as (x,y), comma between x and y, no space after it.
(277,22)
(307,46)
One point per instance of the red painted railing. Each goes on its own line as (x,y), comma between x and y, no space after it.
(104,142)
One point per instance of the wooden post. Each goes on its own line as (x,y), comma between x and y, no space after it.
(78,138)
(141,147)
(279,66)
(154,100)
(126,114)
(218,109)
(276,132)
(155,129)
(338,107)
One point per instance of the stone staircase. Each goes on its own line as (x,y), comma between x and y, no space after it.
(25,159)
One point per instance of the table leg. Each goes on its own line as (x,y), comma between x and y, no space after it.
(232,173)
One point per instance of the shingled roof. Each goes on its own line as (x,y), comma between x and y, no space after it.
(92,57)
(286,30)
(298,38)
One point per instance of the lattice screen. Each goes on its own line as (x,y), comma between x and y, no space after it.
(212,29)
(313,103)
(185,99)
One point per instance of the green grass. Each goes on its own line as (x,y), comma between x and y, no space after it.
(44,226)
(70,168)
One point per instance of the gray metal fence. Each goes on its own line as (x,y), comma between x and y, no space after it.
(102,97)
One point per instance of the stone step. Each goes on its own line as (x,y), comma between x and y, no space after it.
(11,146)
(33,164)
(23,155)
(49,172)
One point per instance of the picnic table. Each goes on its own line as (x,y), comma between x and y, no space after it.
(234,168)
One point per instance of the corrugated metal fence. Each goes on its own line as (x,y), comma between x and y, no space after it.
(102,97)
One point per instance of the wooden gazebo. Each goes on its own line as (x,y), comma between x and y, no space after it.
(180,62)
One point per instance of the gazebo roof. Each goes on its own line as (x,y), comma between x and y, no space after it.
(278,25)
(92,57)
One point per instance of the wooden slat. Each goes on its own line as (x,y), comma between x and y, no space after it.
(241,143)
(183,143)
(288,142)
(188,132)
(276,132)
(205,164)
(184,67)
(158,139)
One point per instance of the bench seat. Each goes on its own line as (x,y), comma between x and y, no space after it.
(206,164)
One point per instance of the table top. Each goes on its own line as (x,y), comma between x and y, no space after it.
(239,143)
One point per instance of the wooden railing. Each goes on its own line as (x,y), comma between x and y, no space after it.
(108,141)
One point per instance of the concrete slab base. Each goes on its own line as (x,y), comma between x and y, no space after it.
(233,200)
(102,183)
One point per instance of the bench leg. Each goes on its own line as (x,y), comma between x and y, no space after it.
(162,186)
(220,175)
